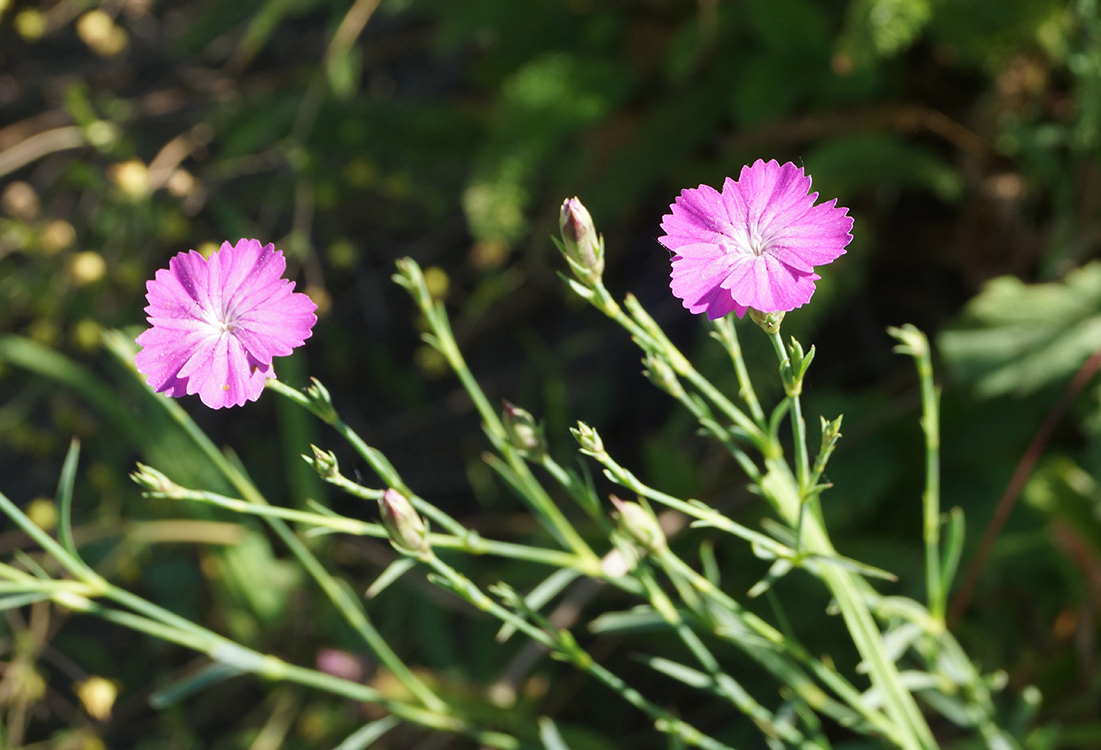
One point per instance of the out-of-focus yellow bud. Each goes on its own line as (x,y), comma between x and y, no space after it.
(132,177)
(180,183)
(20,201)
(30,24)
(57,236)
(321,298)
(436,281)
(98,696)
(43,513)
(100,33)
(87,267)
(87,334)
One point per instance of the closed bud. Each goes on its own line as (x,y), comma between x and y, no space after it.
(661,374)
(769,322)
(641,525)
(156,482)
(523,433)
(407,530)
(320,402)
(323,462)
(584,248)
(588,439)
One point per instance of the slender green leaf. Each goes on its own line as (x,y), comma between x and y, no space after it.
(211,674)
(65,498)
(368,733)
(393,572)
(549,736)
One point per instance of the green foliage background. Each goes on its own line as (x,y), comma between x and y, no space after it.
(964,136)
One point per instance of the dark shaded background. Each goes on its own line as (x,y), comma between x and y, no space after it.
(963,136)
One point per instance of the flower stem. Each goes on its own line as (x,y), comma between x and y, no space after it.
(443,340)
(728,335)
(470,543)
(349,607)
(562,643)
(790,496)
(159,622)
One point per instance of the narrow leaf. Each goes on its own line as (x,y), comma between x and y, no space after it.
(368,733)
(393,572)
(65,498)
(548,734)
(211,674)
(540,595)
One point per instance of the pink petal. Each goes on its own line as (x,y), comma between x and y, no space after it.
(217,323)
(758,241)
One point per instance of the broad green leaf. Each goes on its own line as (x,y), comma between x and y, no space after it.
(868,161)
(1016,337)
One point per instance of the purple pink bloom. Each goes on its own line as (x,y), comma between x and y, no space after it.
(755,244)
(218,323)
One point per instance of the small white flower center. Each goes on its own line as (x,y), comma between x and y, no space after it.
(747,240)
(223,319)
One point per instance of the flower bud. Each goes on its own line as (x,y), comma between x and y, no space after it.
(155,482)
(523,433)
(583,248)
(407,530)
(320,402)
(769,322)
(641,525)
(323,462)
(661,374)
(588,439)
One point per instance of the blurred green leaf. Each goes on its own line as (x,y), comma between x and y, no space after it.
(201,679)
(1016,337)
(848,165)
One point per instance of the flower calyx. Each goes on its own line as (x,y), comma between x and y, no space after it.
(407,530)
(582,247)
(524,434)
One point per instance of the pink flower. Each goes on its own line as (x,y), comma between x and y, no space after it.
(217,323)
(755,244)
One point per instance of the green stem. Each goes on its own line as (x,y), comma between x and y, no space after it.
(798,425)
(470,543)
(914,343)
(723,683)
(937,590)
(789,495)
(651,338)
(160,623)
(846,589)
(348,607)
(778,664)
(728,334)
(566,648)
(443,340)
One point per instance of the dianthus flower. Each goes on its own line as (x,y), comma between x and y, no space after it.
(217,323)
(755,244)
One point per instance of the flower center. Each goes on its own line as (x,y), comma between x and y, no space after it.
(221,317)
(747,240)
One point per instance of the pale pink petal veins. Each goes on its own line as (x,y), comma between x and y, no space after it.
(755,244)
(217,323)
